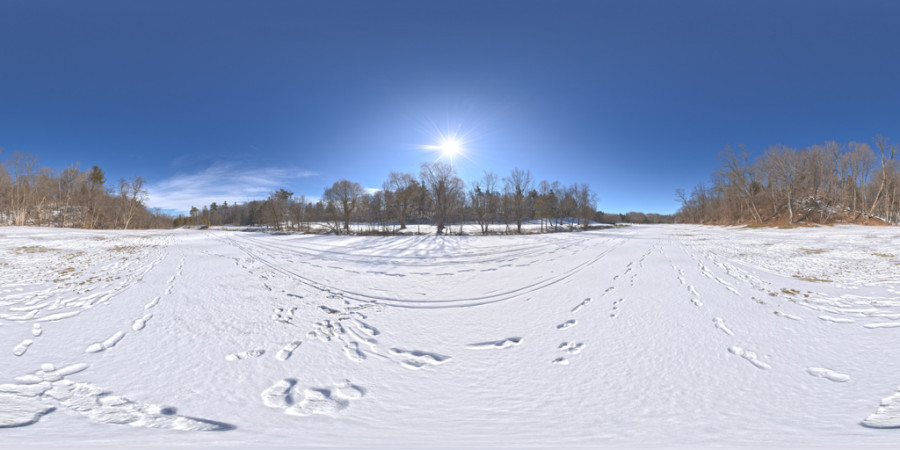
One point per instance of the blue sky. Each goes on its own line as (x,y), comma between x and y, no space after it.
(226,101)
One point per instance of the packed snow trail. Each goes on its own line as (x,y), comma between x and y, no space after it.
(671,335)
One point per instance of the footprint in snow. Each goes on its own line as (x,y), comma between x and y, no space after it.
(567,324)
(581,305)
(139,324)
(750,356)
(20,349)
(245,355)
(571,348)
(417,359)
(720,324)
(503,343)
(287,351)
(353,352)
(828,374)
(110,342)
(887,415)
(152,303)
(286,395)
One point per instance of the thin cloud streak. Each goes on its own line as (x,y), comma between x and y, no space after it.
(218,183)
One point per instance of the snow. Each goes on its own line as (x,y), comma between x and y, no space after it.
(673,336)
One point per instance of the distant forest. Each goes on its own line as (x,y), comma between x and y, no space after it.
(41,196)
(436,196)
(829,183)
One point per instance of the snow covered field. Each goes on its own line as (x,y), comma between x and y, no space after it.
(631,337)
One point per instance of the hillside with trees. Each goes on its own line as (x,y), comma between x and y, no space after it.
(43,196)
(828,183)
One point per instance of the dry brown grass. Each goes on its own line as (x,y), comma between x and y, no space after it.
(32,249)
(812,279)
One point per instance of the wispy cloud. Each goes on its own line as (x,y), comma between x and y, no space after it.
(220,182)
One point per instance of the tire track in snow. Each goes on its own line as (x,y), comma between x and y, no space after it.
(431,303)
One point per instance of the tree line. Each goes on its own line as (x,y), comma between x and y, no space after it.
(436,195)
(854,182)
(43,196)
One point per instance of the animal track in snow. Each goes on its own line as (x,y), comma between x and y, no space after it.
(720,324)
(581,305)
(139,324)
(284,395)
(503,343)
(571,348)
(749,356)
(561,361)
(828,374)
(287,351)
(567,324)
(20,349)
(245,355)
(110,342)
(887,415)
(36,330)
(417,359)
(353,352)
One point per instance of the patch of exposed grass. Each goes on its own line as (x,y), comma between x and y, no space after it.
(32,249)
(812,251)
(125,248)
(813,279)
(789,291)
(884,255)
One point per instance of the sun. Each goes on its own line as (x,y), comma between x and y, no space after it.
(450,147)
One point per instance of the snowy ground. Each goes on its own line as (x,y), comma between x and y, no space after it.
(629,337)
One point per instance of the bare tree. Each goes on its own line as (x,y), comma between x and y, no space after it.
(517,185)
(343,198)
(400,190)
(484,199)
(887,155)
(443,186)
(131,197)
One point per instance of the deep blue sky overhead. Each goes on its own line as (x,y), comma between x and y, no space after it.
(228,100)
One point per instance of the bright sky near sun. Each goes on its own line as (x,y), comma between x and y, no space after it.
(229,100)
